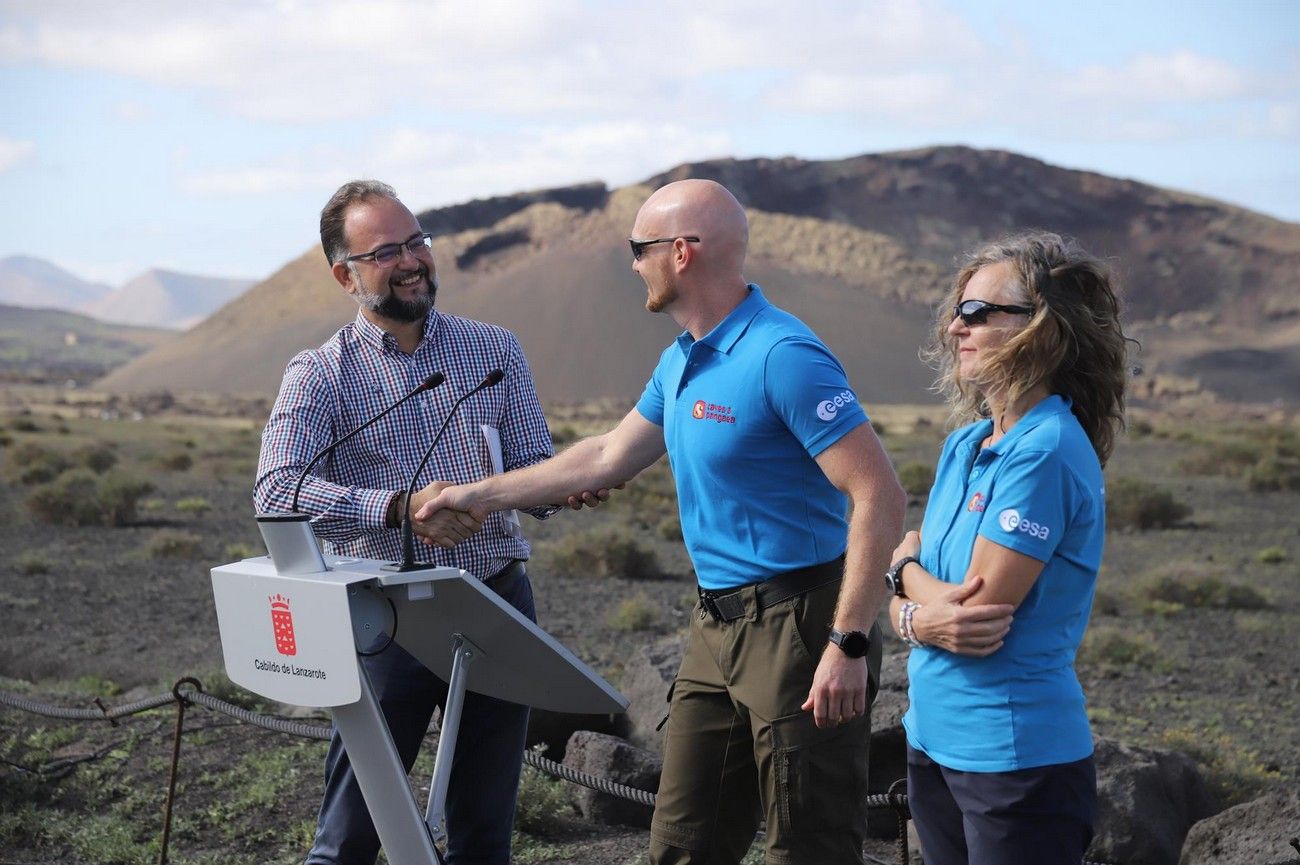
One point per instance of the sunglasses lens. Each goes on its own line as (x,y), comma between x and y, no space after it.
(972,312)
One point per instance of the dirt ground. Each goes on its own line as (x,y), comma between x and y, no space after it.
(122,612)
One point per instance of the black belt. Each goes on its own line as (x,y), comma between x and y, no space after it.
(511,571)
(729,605)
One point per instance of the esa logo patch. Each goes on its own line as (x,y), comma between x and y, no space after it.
(827,409)
(1011,521)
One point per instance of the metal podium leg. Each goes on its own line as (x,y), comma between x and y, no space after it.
(436,815)
(382,780)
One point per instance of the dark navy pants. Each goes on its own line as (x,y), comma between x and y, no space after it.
(485,771)
(1042,815)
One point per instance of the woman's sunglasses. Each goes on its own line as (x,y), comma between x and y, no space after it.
(973,312)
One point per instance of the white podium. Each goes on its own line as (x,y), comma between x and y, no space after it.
(293,622)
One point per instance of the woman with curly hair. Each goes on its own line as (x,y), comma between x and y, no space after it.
(1031,358)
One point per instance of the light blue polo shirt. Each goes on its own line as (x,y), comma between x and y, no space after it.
(1038,491)
(745,410)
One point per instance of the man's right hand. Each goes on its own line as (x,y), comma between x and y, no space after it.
(440,523)
(977,630)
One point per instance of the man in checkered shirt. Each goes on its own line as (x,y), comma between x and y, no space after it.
(381,256)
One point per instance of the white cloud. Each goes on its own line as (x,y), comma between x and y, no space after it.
(248,181)
(1182,76)
(441,167)
(14,151)
(131,111)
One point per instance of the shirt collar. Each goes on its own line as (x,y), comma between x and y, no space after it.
(381,339)
(729,331)
(1053,405)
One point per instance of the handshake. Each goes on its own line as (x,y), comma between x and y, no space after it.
(443,514)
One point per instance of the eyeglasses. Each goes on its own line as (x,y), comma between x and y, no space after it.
(638,246)
(973,312)
(418,244)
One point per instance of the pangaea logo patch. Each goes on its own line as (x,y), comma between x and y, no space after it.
(827,409)
(698,411)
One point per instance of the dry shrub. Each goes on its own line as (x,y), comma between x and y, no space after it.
(1274,473)
(80,497)
(1179,586)
(635,614)
(174,544)
(1114,647)
(30,463)
(607,552)
(916,478)
(1137,504)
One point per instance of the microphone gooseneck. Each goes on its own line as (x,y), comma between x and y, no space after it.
(408,563)
(430,382)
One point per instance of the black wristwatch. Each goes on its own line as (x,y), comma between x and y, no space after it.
(894,576)
(852,643)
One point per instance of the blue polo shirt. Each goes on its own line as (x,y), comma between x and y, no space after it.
(745,410)
(1038,491)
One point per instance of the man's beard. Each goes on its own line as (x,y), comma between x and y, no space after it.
(657,302)
(391,307)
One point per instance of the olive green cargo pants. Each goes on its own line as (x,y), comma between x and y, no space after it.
(738,748)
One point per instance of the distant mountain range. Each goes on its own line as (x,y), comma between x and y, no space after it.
(860,248)
(155,298)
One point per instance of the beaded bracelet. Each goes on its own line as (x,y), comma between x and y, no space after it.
(909,634)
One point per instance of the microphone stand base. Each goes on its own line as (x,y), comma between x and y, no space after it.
(403,567)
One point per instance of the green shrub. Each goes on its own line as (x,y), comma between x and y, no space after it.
(80,497)
(174,544)
(175,461)
(635,614)
(1115,647)
(71,499)
(670,528)
(24,424)
(1199,591)
(239,551)
(542,801)
(32,464)
(1137,504)
(118,495)
(96,457)
(193,505)
(1274,473)
(1271,556)
(32,563)
(916,478)
(1233,773)
(601,553)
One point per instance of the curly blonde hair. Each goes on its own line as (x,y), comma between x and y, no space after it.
(1073,342)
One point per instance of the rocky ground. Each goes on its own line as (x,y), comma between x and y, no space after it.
(1192,645)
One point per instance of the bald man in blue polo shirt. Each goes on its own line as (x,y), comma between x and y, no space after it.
(769,447)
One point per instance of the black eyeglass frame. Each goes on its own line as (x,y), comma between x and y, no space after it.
(638,246)
(415,244)
(980,313)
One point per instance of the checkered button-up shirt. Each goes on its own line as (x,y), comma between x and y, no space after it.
(329,391)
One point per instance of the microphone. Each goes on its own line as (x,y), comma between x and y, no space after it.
(408,562)
(430,382)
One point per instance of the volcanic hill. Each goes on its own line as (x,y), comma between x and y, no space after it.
(860,248)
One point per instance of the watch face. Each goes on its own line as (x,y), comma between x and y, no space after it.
(854,644)
(891,581)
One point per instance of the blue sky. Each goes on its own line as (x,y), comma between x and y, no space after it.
(205,137)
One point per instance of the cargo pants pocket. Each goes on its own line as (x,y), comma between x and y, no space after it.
(820,775)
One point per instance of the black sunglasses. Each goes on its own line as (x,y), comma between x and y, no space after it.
(973,312)
(638,246)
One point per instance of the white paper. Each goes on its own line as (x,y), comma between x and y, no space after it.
(493,439)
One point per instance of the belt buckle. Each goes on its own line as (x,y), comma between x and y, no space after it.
(708,605)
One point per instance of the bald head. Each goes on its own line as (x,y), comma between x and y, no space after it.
(700,208)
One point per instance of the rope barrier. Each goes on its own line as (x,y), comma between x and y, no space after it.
(189,691)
